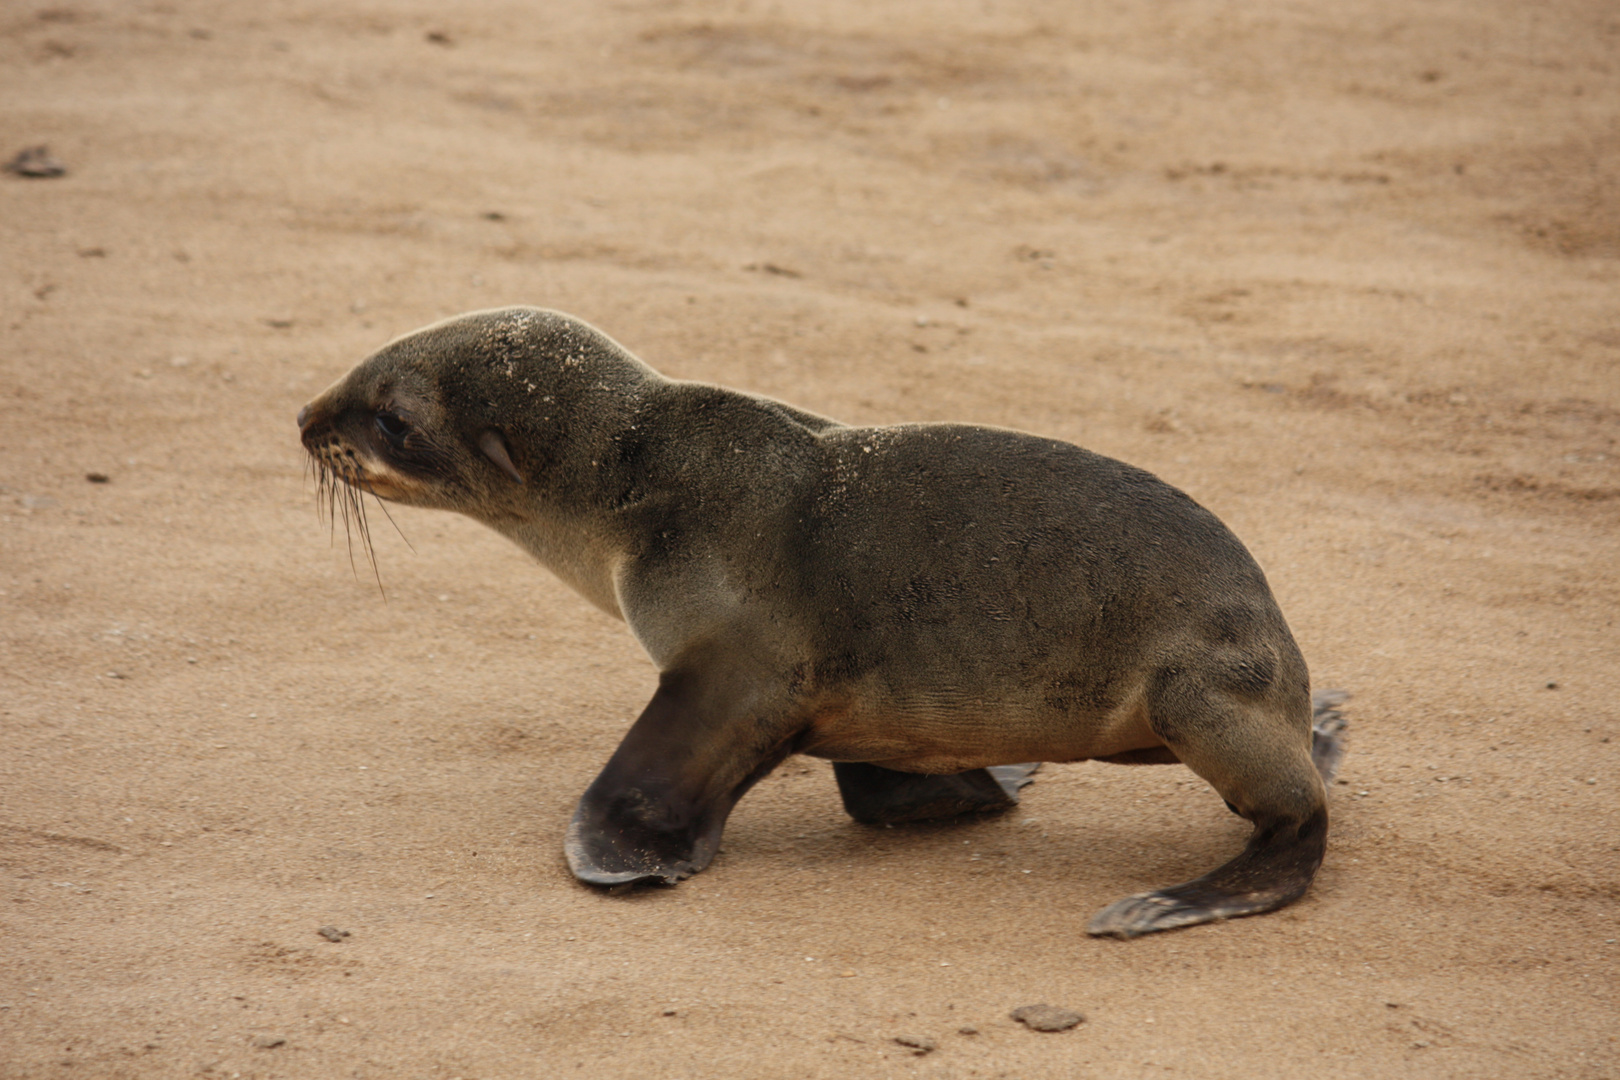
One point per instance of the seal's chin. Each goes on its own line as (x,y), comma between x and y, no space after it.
(380,486)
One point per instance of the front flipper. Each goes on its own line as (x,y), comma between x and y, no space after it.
(656,811)
(874,795)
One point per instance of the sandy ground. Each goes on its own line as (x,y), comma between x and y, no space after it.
(1347,273)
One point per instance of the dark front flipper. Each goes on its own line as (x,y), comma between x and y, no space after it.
(656,811)
(874,795)
(1274,870)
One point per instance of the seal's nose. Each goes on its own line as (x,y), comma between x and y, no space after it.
(303,417)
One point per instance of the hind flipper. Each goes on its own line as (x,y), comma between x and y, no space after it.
(1256,752)
(1274,870)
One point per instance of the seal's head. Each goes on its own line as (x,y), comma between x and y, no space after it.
(467,414)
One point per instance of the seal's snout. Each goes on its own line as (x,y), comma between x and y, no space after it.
(314,424)
(311,430)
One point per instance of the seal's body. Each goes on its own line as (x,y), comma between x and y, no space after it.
(915,603)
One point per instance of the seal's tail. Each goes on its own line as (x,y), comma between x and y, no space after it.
(1327,731)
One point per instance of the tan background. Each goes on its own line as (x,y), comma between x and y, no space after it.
(1346,272)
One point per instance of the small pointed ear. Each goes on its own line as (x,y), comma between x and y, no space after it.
(493,444)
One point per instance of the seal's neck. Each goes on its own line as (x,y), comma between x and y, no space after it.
(581,556)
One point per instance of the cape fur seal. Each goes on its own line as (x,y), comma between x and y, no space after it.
(920,604)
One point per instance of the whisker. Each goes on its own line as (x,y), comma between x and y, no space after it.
(384,508)
(333,493)
(331,511)
(320,489)
(339,493)
(329,489)
(364,528)
(348,537)
(326,497)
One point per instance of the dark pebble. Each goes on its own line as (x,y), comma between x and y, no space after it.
(918,1043)
(36,162)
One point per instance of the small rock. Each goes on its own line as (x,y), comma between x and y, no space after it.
(36,162)
(672,1012)
(332,933)
(268,1042)
(772,268)
(1046,1018)
(919,1044)
(967,1029)
(97,477)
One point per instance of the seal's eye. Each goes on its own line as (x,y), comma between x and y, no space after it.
(393,428)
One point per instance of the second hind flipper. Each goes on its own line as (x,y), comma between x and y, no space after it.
(1327,732)
(874,795)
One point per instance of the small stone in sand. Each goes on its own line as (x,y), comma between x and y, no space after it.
(919,1044)
(332,933)
(967,1029)
(268,1042)
(1046,1018)
(36,162)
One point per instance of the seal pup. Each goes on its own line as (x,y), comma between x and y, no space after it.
(922,604)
